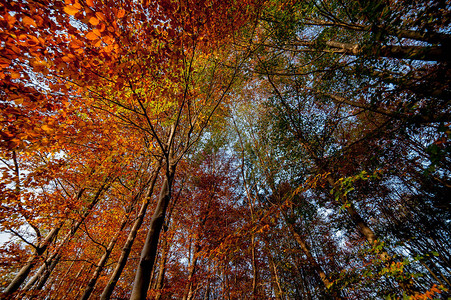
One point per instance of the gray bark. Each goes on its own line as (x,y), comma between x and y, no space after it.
(25,270)
(149,251)
(120,265)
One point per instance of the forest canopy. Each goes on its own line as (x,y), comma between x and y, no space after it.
(207,149)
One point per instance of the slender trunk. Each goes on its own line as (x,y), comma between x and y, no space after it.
(92,282)
(120,265)
(318,269)
(191,271)
(362,226)
(425,53)
(197,247)
(25,270)
(275,282)
(62,279)
(162,270)
(254,268)
(47,267)
(53,259)
(372,239)
(149,251)
(207,292)
(83,282)
(47,271)
(71,287)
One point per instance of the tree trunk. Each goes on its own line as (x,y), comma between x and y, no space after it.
(191,271)
(120,265)
(275,282)
(424,53)
(44,272)
(162,270)
(149,251)
(92,282)
(306,249)
(25,270)
(47,271)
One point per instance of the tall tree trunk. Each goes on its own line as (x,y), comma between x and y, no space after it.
(161,270)
(92,282)
(149,251)
(159,283)
(44,272)
(120,265)
(191,271)
(425,53)
(275,282)
(25,270)
(372,239)
(47,271)
(71,287)
(318,269)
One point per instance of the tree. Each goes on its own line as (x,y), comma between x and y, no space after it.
(300,150)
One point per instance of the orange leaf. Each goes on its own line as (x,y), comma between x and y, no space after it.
(91,36)
(32,41)
(15,75)
(70,10)
(90,2)
(27,21)
(120,13)
(96,31)
(100,16)
(46,128)
(102,27)
(18,101)
(98,43)
(94,21)
(10,19)
(108,40)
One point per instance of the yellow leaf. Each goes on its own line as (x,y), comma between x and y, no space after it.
(46,128)
(70,10)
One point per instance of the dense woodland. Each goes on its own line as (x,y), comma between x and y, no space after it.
(212,149)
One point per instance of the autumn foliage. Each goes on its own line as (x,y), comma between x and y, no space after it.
(224,149)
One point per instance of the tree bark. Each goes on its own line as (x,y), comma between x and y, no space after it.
(162,270)
(44,272)
(120,265)
(306,249)
(425,53)
(99,268)
(149,251)
(25,270)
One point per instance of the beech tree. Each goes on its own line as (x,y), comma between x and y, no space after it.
(205,149)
